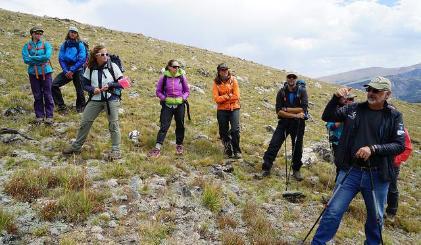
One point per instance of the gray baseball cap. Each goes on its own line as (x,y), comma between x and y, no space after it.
(380,83)
(73,28)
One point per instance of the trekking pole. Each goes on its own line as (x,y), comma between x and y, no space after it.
(328,203)
(286,161)
(376,208)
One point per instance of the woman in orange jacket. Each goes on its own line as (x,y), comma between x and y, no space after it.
(226,94)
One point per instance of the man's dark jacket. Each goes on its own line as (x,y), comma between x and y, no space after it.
(391,132)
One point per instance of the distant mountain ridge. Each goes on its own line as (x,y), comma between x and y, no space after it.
(406,81)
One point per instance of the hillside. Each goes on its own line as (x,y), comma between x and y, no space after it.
(194,199)
(405,80)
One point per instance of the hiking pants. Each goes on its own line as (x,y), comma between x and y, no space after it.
(43,100)
(62,80)
(229,137)
(91,112)
(165,119)
(393,194)
(293,127)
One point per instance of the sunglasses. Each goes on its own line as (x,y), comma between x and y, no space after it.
(101,54)
(175,67)
(373,90)
(39,32)
(74,32)
(223,69)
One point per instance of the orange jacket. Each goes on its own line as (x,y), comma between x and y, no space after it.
(227,94)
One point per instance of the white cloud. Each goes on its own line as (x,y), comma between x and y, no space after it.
(312,37)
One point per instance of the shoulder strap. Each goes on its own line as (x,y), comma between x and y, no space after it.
(164,83)
(111,69)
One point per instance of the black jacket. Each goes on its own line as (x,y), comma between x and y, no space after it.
(391,132)
(301,98)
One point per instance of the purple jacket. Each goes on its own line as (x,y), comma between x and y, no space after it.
(173,88)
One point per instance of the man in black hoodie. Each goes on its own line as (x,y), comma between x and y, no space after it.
(373,134)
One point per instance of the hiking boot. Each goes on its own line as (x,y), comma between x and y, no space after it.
(389,218)
(38,120)
(155,152)
(80,110)
(179,149)
(62,109)
(265,173)
(113,155)
(70,150)
(227,149)
(49,121)
(297,175)
(237,155)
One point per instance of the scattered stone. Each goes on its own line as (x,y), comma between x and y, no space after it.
(133,94)
(270,128)
(268,105)
(112,183)
(242,79)
(96,229)
(2,81)
(185,191)
(196,89)
(201,137)
(203,72)
(317,85)
(14,111)
(135,184)
(121,211)
(112,224)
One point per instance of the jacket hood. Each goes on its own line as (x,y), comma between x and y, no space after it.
(179,72)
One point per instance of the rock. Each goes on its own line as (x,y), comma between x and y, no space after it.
(120,198)
(317,85)
(135,184)
(121,211)
(99,237)
(270,128)
(112,183)
(112,224)
(268,105)
(203,72)
(200,137)
(242,79)
(196,89)
(314,180)
(2,81)
(309,157)
(185,191)
(245,115)
(133,68)
(96,229)
(121,111)
(14,111)
(133,94)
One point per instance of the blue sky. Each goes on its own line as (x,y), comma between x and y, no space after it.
(314,38)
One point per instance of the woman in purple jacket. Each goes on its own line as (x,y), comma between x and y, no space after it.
(172,90)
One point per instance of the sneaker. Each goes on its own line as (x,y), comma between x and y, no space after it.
(49,121)
(237,155)
(179,149)
(70,150)
(155,152)
(297,175)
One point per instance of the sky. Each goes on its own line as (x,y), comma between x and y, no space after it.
(311,37)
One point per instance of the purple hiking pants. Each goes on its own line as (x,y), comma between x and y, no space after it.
(41,89)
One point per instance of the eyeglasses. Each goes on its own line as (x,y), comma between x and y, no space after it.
(101,54)
(373,90)
(39,32)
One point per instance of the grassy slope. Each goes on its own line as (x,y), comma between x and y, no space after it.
(143,57)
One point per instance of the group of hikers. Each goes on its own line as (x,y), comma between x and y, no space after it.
(366,137)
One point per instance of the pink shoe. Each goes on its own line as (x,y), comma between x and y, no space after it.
(179,149)
(155,152)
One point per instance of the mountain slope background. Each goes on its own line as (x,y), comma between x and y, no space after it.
(194,199)
(405,80)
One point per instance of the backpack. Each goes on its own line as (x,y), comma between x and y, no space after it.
(164,83)
(29,46)
(399,159)
(86,45)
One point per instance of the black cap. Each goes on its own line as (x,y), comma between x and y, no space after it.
(222,66)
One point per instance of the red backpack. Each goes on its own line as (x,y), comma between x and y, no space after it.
(399,159)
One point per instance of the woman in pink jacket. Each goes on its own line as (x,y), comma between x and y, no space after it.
(172,90)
